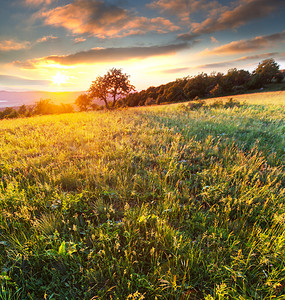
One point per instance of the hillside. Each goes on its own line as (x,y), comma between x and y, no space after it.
(157,202)
(257,98)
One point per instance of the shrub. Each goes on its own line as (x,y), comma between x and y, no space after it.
(96,107)
(64,108)
(44,107)
(195,105)
(217,104)
(232,103)
(22,111)
(83,101)
(150,101)
(8,113)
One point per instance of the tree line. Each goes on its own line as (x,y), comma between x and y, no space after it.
(206,86)
(41,107)
(115,90)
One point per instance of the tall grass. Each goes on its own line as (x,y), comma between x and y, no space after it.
(144,203)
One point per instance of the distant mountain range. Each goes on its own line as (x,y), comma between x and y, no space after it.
(14,99)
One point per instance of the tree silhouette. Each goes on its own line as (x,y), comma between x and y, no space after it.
(111,86)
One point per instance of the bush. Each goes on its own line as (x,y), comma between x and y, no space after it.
(83,101)
(232,103)
(217,104)
(64,108)
(96,107)
(44,107)
(195,105)
(22,111)
(150,101)
(8,113)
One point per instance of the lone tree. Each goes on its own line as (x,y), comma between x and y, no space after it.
(113,85)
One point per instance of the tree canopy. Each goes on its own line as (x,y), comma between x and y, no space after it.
(267,69)
(111,87)
(83,101)
(212,85)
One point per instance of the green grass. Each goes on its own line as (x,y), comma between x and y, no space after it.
(147,203)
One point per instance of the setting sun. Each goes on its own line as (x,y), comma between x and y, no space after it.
(59,78)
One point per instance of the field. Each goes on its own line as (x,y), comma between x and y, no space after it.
(159,202)
(264,98)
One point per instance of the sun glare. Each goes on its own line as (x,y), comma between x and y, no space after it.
(59,78)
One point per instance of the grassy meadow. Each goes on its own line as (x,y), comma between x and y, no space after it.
(261,98)
(159,202)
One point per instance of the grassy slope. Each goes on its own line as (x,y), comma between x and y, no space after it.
(261,98)
(155,202)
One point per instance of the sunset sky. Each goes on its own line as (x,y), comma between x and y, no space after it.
(60,45)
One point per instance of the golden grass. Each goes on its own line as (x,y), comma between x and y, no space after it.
(262,98)
(157,202)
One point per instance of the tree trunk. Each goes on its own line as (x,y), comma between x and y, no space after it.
(106,103)
(114,100)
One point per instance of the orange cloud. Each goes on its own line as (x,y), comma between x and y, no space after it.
(11,45)
(115,54)
(214,40)
(143,24)
(37,2)
(24,65)
(46,38)
(224,64)
(102,55)
(250,45)
(79,40)
(103,20)
(230,63)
